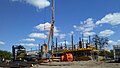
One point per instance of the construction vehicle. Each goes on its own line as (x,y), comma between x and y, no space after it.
(44,54)
(20,54)
(31,56)
(1,58)
(44,48)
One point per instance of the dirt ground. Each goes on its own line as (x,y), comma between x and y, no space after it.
(74,64)
(78,64)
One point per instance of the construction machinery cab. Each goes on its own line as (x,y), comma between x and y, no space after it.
(44,54)
(20,53)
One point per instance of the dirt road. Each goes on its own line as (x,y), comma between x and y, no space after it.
(79,64)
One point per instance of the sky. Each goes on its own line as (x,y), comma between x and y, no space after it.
(27,22)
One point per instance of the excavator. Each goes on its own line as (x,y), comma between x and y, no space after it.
(20,54)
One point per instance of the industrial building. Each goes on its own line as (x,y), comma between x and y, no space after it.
(116,50)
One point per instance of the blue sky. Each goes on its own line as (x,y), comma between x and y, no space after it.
(23,21)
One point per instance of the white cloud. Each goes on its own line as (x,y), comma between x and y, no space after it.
(36,3)
(28,44)
(56,34)
(2,43)
(43,27)
(62,36)
(86,27)
(29,39)
(72,32)
(111,42)
(74,26)
(106,33)
(89,23)
(85,39)
(118,42)
(55,29)
(112,18)
(89,33)
(46,26)
(38,35)
(67,43)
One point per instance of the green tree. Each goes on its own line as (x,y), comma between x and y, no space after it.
(103,42)
(110,54)
(5,54)
(100,41)
(96,41)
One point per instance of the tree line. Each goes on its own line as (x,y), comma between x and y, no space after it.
(5,54)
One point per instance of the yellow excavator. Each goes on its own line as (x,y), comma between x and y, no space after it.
(20,54)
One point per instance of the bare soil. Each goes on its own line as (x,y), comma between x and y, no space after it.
(78,64)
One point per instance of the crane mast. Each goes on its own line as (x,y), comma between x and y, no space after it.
(52,24)
(51,33)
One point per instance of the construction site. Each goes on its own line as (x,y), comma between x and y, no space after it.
(54,55)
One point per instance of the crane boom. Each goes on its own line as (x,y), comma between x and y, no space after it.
(51,33)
